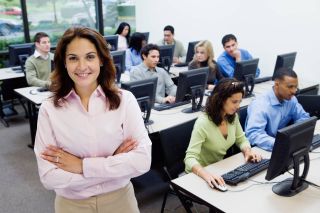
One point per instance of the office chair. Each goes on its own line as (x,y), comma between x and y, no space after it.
(174,143)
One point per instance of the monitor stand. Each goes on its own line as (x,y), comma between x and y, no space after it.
(197,92)
(292,186)
(248,85)
(144,103)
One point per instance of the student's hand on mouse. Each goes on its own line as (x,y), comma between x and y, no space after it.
(211,179)
(126,146)
(176,60)
(170,99)
(62,159)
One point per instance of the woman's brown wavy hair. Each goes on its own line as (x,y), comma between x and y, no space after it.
(221,92)
(61,82)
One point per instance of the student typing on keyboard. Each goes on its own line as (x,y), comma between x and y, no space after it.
(148,69)
(216,130)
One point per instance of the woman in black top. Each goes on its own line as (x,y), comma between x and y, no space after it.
(204,57)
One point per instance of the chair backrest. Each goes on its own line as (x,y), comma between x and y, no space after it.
(22,61)
(174,143)
(243,116)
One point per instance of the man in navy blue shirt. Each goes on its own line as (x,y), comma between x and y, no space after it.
(232,54)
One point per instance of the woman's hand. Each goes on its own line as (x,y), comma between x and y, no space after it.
(62,159)
(126,146)
(211,179)
(251,156)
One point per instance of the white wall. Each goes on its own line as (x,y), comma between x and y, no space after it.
(265,28)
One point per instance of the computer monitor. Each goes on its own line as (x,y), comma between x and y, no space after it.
(166,56)
(146,35)
(284,60)
(191,85)
(310,103)
(119,60)
(190,51)
(245,71)
(19,49)
(291,146)
(145,93)
(113,41)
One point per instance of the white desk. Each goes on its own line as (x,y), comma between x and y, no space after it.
(8,73)
(257,198)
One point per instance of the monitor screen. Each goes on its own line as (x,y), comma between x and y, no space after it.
(19,49)
(113,41)
(284,60)
(166,56)
(190,51)
(291,145)
(191,85)
(146,35)
(119,61)
(245,71)
(310,103)
(145,93)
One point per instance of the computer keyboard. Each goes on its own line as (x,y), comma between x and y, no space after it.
(183,64)
(160,107)
(315,142)
(245,171)
(262,79)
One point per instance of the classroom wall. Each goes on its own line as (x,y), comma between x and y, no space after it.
(265,28)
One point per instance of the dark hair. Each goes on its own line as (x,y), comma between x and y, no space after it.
(146,49)
(283,71)
(169,28)
(62,83)
(136,41)
(121,27)
(228,38)
(221,92)
(38,36)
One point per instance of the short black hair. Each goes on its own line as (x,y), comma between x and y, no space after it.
(284,71)
(146,49)
(228,38)
(169,28)
(40,35)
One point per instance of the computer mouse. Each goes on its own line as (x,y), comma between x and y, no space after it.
(221,188)
(33,92)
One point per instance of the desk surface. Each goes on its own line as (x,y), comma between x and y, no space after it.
(37,98)
(249,196)
(8,73)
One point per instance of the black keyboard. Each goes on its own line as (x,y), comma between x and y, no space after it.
(184,64)
(262,79)
(315,142)
(160,107)
(245,171)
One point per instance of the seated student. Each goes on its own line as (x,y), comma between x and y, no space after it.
(216,130)
(148,68)
(204,57)
(232,54)
(123,33)
(133,53)
(274,110)
(168,39)
(38,66)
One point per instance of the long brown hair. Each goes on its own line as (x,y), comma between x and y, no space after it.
(62,84)
(221,92)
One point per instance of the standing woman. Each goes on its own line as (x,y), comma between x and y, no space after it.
(204,57)
(123,33)
(216,130)
(91,139)
(133,53)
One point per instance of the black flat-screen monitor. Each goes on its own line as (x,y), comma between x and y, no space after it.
(310,103)
(145,93)
(190,51)
(291,146)
(146,35)
(166,56)
(191,85)
(19,49)
(119,61)
(284,60)
(113,41)
(245,71)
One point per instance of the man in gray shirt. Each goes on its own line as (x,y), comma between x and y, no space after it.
(148,69)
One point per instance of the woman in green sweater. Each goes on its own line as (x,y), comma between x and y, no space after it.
(216,130)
